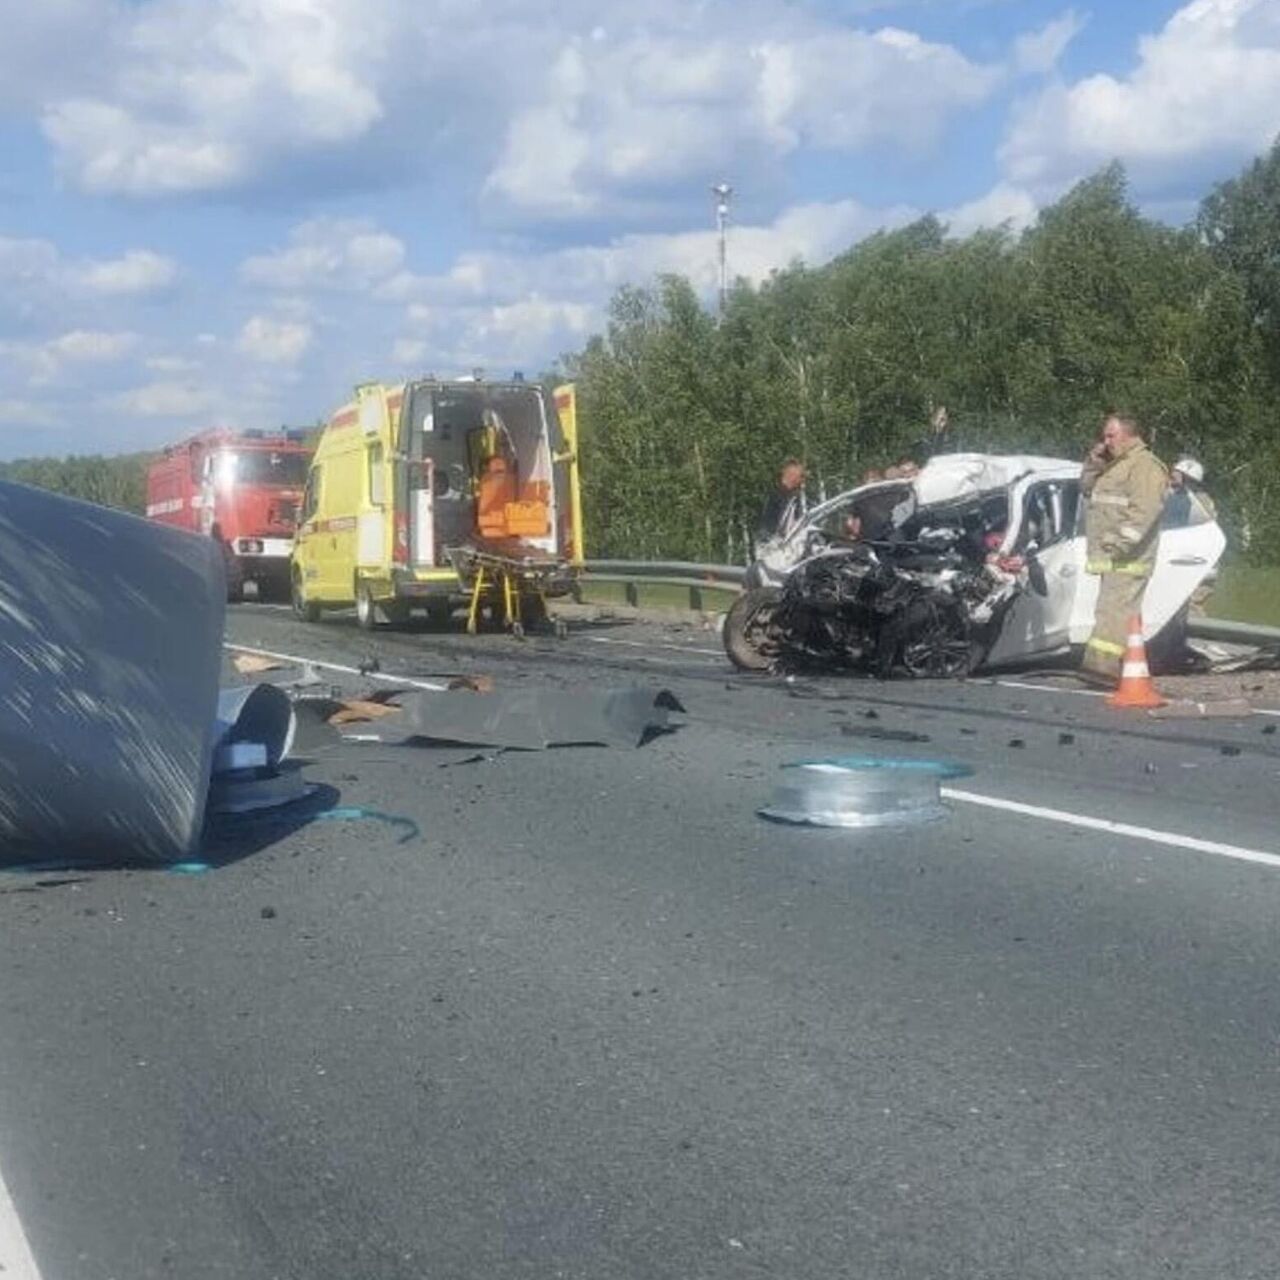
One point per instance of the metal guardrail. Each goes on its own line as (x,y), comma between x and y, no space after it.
(1228,632)
(694,578)
(697,578)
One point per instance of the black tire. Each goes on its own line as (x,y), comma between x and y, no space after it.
(235,576)
(366,610)
(304,609)
(932,641)
(746,629)
(439,613)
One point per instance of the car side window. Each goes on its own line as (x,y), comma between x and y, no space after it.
(377,475)
(1050,514)
(311,498)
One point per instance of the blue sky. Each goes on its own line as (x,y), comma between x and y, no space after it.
(228,211)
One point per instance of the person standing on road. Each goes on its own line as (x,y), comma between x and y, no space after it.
(1188,502)
(786,505)
(1124,484)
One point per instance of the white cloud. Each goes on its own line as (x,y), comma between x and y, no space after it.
(203,97)
(43,361)
(163,400)
(412,351)
(26,413)
(813,232)
(328,253)
(1206,91)
(91,345)
(1002,204)
(505,310)
(274,341)
(171,364)
(138,272)
(1037,52)
(645,111)
(185,96)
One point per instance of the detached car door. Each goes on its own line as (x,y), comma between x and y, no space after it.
(1184,559)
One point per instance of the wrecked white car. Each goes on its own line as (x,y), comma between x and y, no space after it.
(978,561)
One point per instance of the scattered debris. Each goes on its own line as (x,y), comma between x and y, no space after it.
(1227,708)
(531,719)
(1227,750)
(476,684)
(1017,743)
(370,666)
(247,791)
(348,813)
(886,735)
(252,664)
(1268,729)
(268,913)
(357,710)
(1066,739)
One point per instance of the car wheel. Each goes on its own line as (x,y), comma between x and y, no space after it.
(366,610)
(303,608)
(935,641)
(748,629)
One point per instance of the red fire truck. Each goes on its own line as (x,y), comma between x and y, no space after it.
(241,487)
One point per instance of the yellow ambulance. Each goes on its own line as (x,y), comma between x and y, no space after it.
(411,483)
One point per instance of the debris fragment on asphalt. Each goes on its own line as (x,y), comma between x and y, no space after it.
(259,713)
(476,684)
(357,710)
(256,726)
(1227,750)
(107,691)
(861,791)
(1017,743)
(1224,709)
(531,719)
(252,790)
(350,813)
(1066,739)
(886,735)
(252,664)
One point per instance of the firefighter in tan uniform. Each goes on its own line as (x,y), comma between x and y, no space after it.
(1124,484)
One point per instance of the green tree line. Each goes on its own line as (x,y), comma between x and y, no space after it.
(1026,339)
(119,481)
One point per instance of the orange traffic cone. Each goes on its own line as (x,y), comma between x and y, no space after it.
(1136,688)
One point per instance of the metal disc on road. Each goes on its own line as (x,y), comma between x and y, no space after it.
(861,791)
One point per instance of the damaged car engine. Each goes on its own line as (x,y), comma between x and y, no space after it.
(925,607)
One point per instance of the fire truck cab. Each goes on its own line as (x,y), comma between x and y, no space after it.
(242,488)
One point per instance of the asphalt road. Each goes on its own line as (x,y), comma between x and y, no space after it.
(598,1019)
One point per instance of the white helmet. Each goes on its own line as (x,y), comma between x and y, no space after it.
(1190,468)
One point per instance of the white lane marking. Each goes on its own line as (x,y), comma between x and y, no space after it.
(1171,838)
(642,644)
(16,1260)
(1051,688)
(1099,693)
(299,661)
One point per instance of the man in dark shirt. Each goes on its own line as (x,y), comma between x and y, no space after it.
(785,506)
